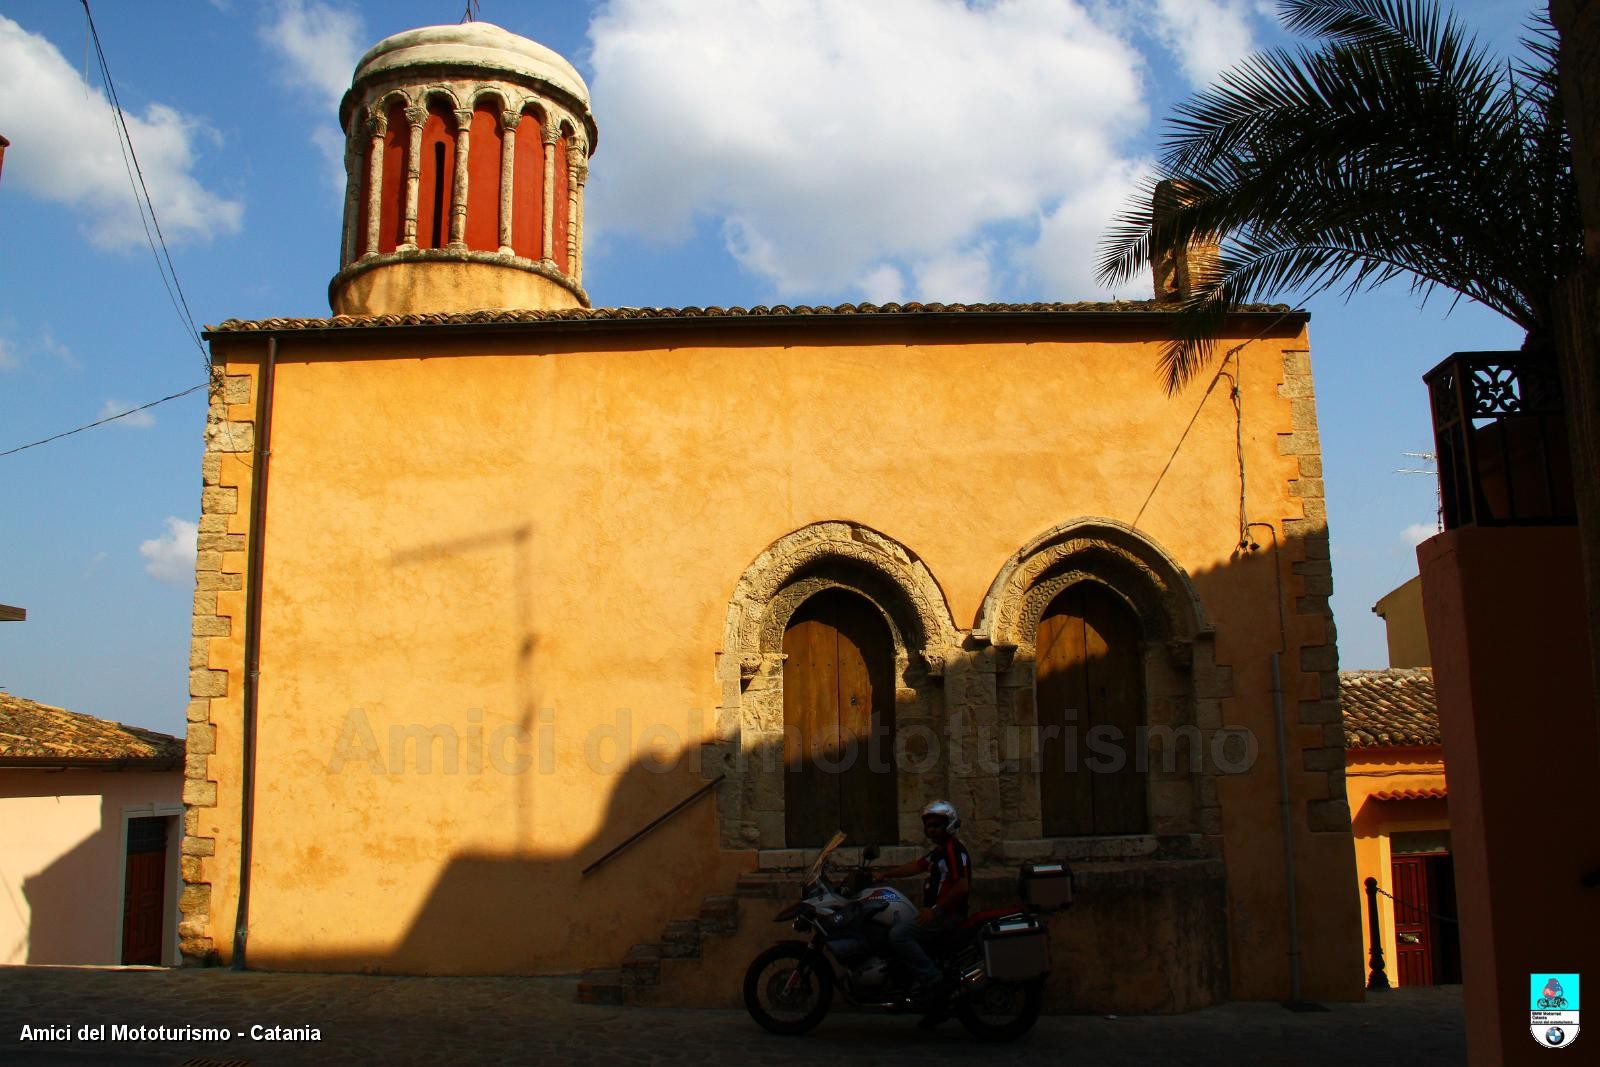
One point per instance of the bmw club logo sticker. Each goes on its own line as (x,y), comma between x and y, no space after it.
(1553,1009)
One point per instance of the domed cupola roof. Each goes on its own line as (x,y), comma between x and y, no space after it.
(466,156)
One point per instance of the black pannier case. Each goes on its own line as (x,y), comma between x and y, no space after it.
(1046,886)
(1016,948)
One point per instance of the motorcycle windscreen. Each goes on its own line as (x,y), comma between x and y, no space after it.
(816,866)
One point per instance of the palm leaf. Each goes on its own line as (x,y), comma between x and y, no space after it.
(1396,150)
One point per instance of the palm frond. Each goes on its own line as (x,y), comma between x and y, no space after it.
(1397,150)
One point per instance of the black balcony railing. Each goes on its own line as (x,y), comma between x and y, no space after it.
(1500,433)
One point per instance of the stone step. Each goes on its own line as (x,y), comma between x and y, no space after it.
(681,939)
(602,987)
(769,885)
(643,965)
(719,916)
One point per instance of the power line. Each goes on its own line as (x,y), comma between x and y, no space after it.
(99,422)
(141,195)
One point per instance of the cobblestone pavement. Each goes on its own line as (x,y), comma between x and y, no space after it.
(367,1019)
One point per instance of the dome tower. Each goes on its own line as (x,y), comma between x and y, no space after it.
(466,152)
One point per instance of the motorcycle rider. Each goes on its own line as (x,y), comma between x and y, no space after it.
(948,867)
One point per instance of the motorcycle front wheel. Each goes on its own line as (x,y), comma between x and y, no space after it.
(1002,1011)
(787,989)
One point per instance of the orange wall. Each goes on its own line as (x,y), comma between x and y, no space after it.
(1369,771)
(478,529)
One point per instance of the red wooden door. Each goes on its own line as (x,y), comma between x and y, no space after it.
(838,713)
(1089,675)
(144,892)
(1413,949)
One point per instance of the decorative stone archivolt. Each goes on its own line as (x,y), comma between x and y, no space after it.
(750,722)
(1110,553)
(843,554)
(1182,685)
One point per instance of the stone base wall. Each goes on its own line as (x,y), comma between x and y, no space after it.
(215,653)
(1306,545)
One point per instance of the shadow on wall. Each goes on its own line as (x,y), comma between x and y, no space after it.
(73,904)
(494,913)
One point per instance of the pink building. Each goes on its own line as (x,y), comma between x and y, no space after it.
(90,816)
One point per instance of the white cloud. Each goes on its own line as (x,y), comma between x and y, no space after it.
(1203,37)
(8,355)
(171,556)
(1418,532)
(320,45)
(1063,257)
(963,275)
(847,147)
(883,284)
(49,345)
(64,149)
(141,420)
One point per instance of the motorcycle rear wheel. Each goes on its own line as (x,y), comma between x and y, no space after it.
(787,991)
(1002,1011)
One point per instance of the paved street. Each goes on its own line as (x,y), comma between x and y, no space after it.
(365,1019)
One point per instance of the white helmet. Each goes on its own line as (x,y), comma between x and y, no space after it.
(945,810)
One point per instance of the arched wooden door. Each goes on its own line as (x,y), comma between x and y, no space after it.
(838,715)
(1089,674)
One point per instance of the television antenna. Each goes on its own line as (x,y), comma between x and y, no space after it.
(1432,472)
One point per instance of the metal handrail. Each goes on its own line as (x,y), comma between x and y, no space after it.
(657,821)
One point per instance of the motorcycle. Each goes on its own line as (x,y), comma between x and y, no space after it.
(994,964)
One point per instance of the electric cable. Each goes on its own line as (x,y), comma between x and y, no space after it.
(100,422)
(141,194)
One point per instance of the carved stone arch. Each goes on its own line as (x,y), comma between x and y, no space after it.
(494,94)
(925,622)
(750,721)
(1112,553)
(393,97)
(1182,686)
(445,93)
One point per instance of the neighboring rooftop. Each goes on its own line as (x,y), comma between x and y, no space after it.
(34,734)
(1393,708)
(779,311)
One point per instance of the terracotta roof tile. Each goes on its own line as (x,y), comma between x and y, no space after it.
(782,311)
(32,730)
(1391,708)
(1411,794)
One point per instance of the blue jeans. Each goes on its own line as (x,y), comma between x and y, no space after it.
(910,941)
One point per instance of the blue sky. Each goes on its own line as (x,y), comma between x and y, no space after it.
(971,152)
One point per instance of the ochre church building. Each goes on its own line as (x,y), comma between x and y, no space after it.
(492,579)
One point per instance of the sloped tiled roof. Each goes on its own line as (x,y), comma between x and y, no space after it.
(1391,708)
(778,311)
(1438,793)
(34,732)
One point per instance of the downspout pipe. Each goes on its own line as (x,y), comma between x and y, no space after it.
(252,645)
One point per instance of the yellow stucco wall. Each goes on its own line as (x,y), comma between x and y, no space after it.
(1401,612)
(479,530)
(1393,770)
